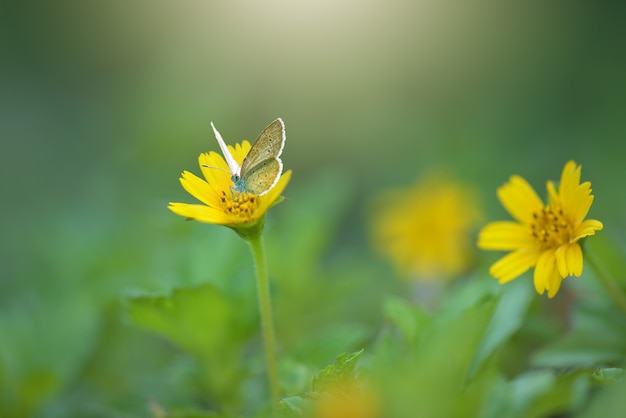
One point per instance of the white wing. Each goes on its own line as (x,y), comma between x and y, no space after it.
(232,164)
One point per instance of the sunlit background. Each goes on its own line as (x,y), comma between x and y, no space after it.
(103,104)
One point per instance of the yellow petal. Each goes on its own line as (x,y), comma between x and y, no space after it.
(216,172)
(575,198)
(520,199)
(513,265)
(199,213)
(561,260)
(575,259)
(555,285)
(586,228)
(504,235)
(240,151)
(553,196)
(569,260)
(570,179)
(547,275)
(581,203)
(543,270)
(199,189)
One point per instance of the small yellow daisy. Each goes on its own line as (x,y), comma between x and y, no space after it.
(545,235)
(346,399)
(222,205)
(424,230)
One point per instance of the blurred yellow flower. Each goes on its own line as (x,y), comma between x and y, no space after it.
(424,230)
(543,236)
(222,205)
(346,400)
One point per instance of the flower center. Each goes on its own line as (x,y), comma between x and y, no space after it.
(242,204)
(550,227)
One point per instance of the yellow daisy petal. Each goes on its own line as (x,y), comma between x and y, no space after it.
(550,274)
(504,235)
(216,172)
(555,285)
(512,265)
(570,179)
(199,213)
(580,203)
(569,259)
(586,228)
(198,188)
(553,195)
(561,260)
(239,151)
(575,259)
(545,271)
(519,199)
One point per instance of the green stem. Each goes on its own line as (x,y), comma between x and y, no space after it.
(265,310)
(611,286)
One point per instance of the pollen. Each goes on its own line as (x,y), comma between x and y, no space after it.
(241,204)
(550,227)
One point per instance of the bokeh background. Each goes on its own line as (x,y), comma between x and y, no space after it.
(103,104)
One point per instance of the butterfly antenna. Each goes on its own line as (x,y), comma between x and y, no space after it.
(217,168)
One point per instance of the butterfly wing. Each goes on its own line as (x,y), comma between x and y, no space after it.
(230,160)
(262,166)
(261,178)
(269,145)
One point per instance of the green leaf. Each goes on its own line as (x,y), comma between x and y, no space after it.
(598,337)
(64,330)
(507,318)
(609,403)
(341,370)
(198,414)
(610,374)
(406,317)
(292,407)
(427,380)
(295,377)
(318,345)
(540,393)
(609,254)
(198,320)
(205,324)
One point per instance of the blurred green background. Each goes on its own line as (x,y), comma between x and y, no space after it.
(104,104)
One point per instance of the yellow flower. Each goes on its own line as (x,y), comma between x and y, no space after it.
(544,236)
(222,205)
(346,400)
(424,230)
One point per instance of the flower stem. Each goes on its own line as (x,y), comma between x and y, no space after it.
(265,310)
(609,283)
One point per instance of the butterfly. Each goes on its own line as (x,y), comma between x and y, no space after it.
(261,168)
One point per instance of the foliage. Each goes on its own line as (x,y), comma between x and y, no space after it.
(191,347)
